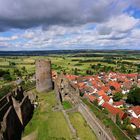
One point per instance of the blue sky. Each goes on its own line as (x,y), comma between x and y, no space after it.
(69,24)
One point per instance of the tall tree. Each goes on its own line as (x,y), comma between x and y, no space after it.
(133,96)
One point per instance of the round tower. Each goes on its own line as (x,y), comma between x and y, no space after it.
(43,75)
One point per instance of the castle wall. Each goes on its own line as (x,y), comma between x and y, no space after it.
(26,110)
(11,125)
(4,106)
(15,112)
(93,122)
(71,93)
(66,89)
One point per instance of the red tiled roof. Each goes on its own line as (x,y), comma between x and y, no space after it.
(94,82)
(87,77)
(81,85)
(54,74)
(105,98)
(119,103)
(90,97)
(101,92)
(96,78)
(115,84)
(132,75)
(113,110)
(71,77)
(136,109)
(136,122)
(105,88)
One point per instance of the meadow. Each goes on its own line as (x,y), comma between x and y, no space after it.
(48,124)
(12,67)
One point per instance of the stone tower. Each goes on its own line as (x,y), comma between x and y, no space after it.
(43,75)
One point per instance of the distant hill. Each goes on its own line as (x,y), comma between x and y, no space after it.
(59,52)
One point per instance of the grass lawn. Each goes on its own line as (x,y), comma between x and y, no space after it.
(49,125)
(83,130)
(66,105)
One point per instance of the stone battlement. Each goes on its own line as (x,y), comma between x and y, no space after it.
(16,110)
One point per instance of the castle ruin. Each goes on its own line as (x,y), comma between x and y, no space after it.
(43,75)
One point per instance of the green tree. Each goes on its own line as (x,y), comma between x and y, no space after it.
(105,111)
(12,63)
(24,69)
(7,77)
(81,94)
(5,90)
(117,96)
(133,96)
(75,71)
(131,131)
(126,122)
(17,72)
(95,102)
(118,120)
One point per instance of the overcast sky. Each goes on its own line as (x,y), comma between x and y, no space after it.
(69,24)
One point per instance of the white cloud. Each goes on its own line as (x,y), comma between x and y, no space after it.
(121,32)
(121,23)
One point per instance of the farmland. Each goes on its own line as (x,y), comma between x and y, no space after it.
(78,63)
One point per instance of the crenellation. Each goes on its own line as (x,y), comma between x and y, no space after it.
(16,110)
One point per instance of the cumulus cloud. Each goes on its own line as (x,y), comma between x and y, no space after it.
(68,24)
(30,13)
(117,27)
(78,37)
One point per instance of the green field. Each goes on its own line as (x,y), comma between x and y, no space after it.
(66,105)
(79,64)
(83,130)
(48,124)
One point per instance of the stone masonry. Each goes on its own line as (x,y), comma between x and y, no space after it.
(43,75)
(70,92)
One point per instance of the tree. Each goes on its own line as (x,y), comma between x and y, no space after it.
(126,122)
(131,131)
(3,72)
(17,72)
(7,77)
(81,94)
(24,69)
(12,63)
(75,71)
(112,87)
(133,96)
(95,102)
(5,89)
(118,120)
(118,96)
(105,111)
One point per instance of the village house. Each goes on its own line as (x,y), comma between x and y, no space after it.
(135,122)
(102,87)
(134,111)
(118,104)
(114,111)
